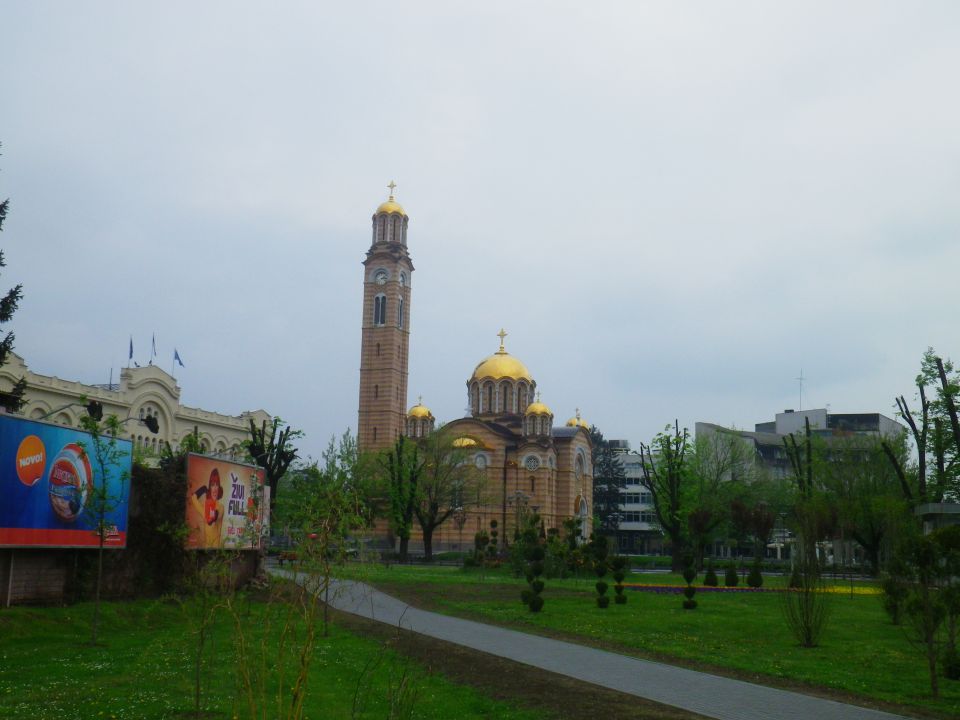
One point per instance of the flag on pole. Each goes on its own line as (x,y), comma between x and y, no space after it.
(153,350)
(130,356)
(176,356)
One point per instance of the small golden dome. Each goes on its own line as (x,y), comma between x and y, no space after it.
(420,410)
(390,206)
(464,442)
(538,408)
(578,421)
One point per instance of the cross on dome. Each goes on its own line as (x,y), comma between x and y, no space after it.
(502,334)
(392,185)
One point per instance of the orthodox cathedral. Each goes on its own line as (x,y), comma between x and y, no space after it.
(509,432)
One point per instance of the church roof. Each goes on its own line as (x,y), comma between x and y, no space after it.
(501,365)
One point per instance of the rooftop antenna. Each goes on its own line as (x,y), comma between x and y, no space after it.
(800,380)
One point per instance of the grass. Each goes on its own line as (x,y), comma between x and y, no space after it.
(862,656)
(144,669)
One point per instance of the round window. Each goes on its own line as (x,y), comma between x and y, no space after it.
(532,462)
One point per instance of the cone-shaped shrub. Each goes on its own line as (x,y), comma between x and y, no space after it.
(710,579)
(755,577)
(689,591)
(731,579)
(619,564)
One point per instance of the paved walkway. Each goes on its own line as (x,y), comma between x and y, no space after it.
(709,695)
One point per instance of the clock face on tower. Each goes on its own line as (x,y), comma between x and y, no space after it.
(380,277)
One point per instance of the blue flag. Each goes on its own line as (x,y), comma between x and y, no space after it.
(176,356)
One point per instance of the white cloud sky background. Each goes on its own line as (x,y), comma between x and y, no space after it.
(671,207)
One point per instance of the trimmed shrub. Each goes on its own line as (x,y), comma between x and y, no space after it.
(730,578)
(619,563)
(536,603)
(755,577)
(603,601)
(601,587)
(710,579)
(689,591)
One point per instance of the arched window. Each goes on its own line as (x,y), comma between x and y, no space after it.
(522,396)
(488,399)
(380,310)
(400,313)
(475,397)
(395,233)
(381,228)
(506,397)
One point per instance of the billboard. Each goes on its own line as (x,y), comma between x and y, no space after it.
(225,504)
(48,477)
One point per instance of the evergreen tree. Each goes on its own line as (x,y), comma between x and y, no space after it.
(608,478)
(12,399)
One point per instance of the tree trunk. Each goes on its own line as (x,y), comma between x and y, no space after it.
(676,557)
(404,543)
(428,544)
(95,626)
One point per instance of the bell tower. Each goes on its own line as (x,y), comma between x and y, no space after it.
(385,336)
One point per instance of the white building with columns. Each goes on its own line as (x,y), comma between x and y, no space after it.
(141,393)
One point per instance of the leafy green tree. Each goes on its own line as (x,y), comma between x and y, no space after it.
(447,482)
(272,449)
(935,430)
(12,399)
(401,467)
(664,475)
(103,498)
(608,477)
(867,493)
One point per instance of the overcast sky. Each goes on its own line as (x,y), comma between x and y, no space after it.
(672,208)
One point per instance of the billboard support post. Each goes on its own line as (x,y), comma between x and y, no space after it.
(10,577)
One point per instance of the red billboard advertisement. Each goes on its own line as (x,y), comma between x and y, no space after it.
(226,504)
(58,483)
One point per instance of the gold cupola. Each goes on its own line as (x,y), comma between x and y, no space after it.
(390,221)
(538,408)
(501,365)
(577,421)
(420,421)
(420,410)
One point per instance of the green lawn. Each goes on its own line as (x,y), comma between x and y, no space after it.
(861,654)
(144,669)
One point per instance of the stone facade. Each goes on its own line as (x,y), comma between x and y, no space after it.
(141,392)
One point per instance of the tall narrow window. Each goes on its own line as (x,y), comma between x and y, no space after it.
(400,313)
(380,310)
(376,391)
(378,349)
(374,434)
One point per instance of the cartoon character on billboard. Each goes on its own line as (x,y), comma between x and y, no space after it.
(207,501)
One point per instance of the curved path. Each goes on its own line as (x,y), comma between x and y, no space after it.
(708,695)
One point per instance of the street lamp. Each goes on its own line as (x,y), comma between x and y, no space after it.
(94,409)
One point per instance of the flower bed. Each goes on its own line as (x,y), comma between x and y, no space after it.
(678,589)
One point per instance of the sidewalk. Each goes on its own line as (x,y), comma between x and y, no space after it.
(709,695)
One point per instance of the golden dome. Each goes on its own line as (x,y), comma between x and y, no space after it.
(390,206)
(501,365)
(578,421)
(464,442)
(420,410)
(538,408)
